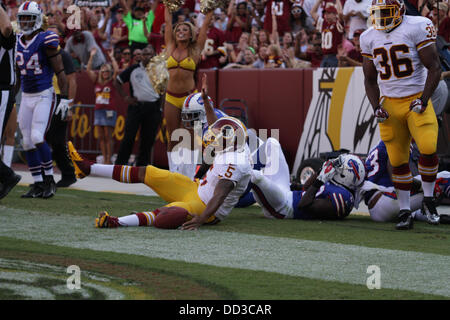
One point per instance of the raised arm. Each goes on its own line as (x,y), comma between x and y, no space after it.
(203,34)
(314,9)
(211,116)
(5,24)
(168,37)
(92,75)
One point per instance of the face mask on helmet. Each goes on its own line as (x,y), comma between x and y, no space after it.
(225,135)
(29,17)
(193,110)
(350,171)
(385,15)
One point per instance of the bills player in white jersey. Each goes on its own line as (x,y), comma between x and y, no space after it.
(38,59)
(401,69)
(208,200)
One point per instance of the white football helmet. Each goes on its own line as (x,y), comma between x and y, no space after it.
(350,171)
(225,135)
(29,17)
(194,110)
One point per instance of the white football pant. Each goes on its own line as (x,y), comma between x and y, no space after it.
(34,117)
(272,186)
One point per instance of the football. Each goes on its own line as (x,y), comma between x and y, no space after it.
(170,217)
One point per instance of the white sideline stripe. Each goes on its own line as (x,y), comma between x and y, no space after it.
(406,270)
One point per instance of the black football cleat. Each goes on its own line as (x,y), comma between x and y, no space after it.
(429,210)
(444,219)
(8,184)
(49,187)
(405,220)
(36,190)
(66,181)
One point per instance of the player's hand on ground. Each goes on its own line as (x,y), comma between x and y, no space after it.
(417,106)
(381,114)
(327,172)
(192,224)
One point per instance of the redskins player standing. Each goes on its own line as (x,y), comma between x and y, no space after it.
(401,69)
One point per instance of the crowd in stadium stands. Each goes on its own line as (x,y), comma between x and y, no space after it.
(245,34)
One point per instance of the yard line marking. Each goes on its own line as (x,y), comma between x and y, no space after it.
(405,270)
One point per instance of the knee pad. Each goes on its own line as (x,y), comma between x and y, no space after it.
(27,144)
(37,137)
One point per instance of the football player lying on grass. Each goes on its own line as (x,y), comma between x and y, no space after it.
(329,195)
(384,206)
(207,201)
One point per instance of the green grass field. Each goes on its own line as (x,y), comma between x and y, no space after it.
(245,257)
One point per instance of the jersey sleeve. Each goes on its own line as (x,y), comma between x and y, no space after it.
(126,74)
(51,40)
(364,43)
(424,34)
(342,201)
(128,19)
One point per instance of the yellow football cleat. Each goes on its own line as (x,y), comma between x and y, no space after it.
(104,220)
(82,167)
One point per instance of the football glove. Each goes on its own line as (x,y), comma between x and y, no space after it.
(327,172)
(418,106)
(63,108)
(381,114)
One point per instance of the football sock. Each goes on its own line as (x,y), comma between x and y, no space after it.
(403,197)
(126,174)
(402,179)
(428,168)
(418,215)
(138,219)
(172,166)
(34,164)
(46,158)
(8,152)
(102,170)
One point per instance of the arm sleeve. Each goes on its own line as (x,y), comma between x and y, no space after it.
(67,63)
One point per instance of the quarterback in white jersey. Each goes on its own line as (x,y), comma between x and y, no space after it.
(207,201)
(402,70)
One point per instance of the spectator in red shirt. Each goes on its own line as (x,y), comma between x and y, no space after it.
(282,10)
(119,31)
(105,112)
(332,32)
(354,57)
(239,21)
(210,54)
(314,52)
